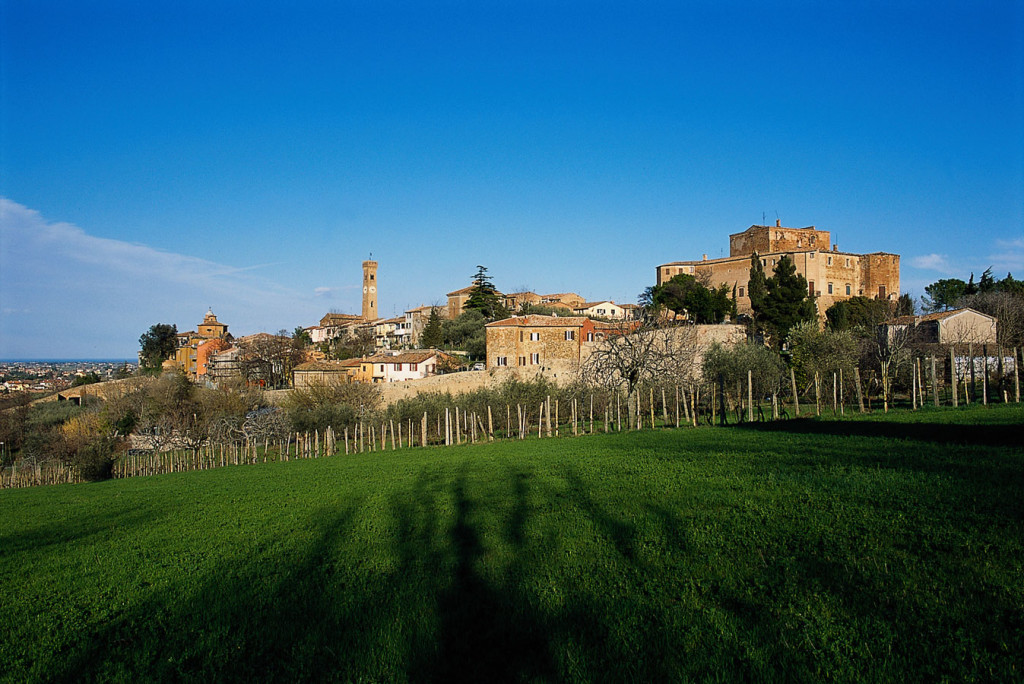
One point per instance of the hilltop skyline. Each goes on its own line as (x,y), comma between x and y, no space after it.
(160,160)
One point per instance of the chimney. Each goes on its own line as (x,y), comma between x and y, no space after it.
(835,247)
(778,223)
(705,257)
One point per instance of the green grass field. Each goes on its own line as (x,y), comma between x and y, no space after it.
(887,548)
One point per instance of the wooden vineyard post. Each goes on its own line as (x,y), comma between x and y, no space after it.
(984,379)
(920,384)
(796,397)
(677,406)
(817,394)
(1016,374)
(835,394)
(540,421)
(490,425)
(591,414)
(652,408)
(969,396)
(860,393)
(913,385)
(547,411)
(750,396)
(842,395)
(664,409)
(935,384)
(952,375)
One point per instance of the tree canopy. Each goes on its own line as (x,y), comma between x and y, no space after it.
(483,297)
(785,301)
(858,313)
(158,344)
(433,332)
(684,295)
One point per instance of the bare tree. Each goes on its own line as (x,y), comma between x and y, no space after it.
(891,350)
(631,356)
(267,360)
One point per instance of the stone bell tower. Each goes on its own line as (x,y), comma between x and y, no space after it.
(370,291)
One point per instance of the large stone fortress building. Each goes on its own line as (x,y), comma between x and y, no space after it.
(831,275)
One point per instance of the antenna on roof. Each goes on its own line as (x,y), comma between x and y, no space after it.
(764,219)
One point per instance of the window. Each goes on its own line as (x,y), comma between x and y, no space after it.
(371,276)
(398,366)
(847,289)
(520,335)
(570,334)
(830,288)
(534,359)
(534,336)
(382,368)
(590,337)
(830,261)
(612,312)
(522,360)
(847,264)
(413,366)
(811,255)
(501,361)
(810,288)
(741,292)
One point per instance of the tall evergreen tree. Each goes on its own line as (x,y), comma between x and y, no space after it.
(972,287)
(987,282)
(785,301)
(432,336)
(757,286)
(484,296)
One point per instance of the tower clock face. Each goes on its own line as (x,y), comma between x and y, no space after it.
(364,289)
(372,289)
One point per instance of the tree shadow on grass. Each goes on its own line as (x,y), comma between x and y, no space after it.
(271,617)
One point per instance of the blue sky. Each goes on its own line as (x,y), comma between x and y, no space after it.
(160,158)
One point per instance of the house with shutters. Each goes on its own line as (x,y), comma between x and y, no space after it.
(538,344)
(399,367)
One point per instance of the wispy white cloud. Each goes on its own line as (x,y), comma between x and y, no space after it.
(932,262)
(65,292)
(1009,257)
(324,292)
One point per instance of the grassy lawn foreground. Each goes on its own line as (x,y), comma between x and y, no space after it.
(887,548)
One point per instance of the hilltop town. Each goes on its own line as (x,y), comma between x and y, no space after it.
(527,332)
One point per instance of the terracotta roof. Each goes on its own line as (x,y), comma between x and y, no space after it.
(327,365)
(587,305)
(537,321)
(333,319)
(464,290)
(559,295)
(422,308)
(936,316)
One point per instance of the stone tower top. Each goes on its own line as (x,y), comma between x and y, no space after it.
(778,238)
(370,291)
